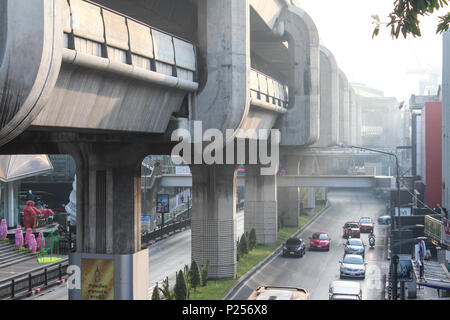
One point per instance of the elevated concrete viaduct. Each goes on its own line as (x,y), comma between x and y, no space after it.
(109,81)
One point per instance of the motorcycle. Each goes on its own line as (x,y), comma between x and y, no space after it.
(372,240)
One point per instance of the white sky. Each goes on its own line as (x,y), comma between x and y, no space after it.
(345,27)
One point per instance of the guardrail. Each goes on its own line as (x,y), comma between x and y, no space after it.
(267,89)
(16,286)
(170,228)
(94,30)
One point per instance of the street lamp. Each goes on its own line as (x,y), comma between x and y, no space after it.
(393,281)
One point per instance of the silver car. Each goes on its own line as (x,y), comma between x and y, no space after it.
(353,266)
(355,246)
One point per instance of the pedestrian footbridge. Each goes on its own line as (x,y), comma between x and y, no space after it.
(185,180)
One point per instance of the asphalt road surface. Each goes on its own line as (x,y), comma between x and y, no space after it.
(316,270)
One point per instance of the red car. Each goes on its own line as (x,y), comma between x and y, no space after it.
(351,229)
(366,224)
(319,241)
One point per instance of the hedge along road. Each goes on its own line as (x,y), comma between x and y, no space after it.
(316,270)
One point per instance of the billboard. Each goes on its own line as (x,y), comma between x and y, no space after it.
(162,203)
(404,268)
(182,170)
(145,223)
(403,212)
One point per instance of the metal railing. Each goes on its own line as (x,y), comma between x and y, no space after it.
(168,229)
(267,89)
(111,34)
(17,286)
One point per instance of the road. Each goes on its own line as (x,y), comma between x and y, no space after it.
(165,258)
(316,269)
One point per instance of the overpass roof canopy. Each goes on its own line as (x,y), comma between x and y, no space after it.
(16,167)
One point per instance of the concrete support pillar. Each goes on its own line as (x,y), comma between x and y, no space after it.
(289,198)
(213,222)
(261,205)
(109,221)
(11,205)
(311,200)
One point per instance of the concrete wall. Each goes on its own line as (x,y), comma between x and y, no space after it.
(433,153)
(300,125)
(446,121)
(30,57)
(329,99)
(344,108)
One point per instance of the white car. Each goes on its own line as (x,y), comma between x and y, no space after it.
(384,219)
(345,290)
(353,266)
(355,246)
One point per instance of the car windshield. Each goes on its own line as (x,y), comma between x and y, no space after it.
(353,259)
(351,225)
(365,221)
(293,242)
(322,236)
(354,242)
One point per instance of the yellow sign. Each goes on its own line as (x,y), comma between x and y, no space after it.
(97,279)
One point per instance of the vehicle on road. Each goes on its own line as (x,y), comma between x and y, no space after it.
(366,224)
(294,247)
(351,229)
(384,219)
(372,240)
(353,266)
(319,241)
(279,293)
(345,290)
(355,246)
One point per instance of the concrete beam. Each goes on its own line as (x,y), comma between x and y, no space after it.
(31,42)
(327,181)
(223,100)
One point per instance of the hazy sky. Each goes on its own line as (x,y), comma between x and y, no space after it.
(345,27)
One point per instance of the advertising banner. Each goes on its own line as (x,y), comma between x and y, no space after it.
(445,233)
(162,204)
(403,212)
(182,170)
(404,268)
(145,223)
(97,279)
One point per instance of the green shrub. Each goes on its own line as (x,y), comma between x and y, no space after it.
(155,294)
(205,274)
(252,239)
(243,245)
(195,276)
(168,295)
(181,290)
